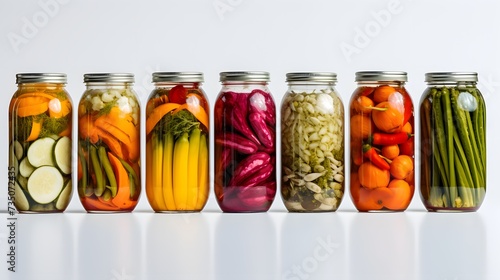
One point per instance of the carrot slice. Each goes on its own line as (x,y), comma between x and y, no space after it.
(96,205)
(32,110)
(157,114)
(36,128)
(122,198)
(66,132)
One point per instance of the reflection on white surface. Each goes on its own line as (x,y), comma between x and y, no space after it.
(382,246)
(178,247)
(44,247)
(245,247)
(313,246)
(109,247)
(453,246)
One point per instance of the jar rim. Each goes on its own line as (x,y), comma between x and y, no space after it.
(25,78)
(244,76)
(440,77)
(319,77)
(382,76)
(178,77)
(108,77)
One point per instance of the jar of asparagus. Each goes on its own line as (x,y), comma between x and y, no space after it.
(381,142)
(109,143)
(40,116)
(177,134)
(453,143)
(312,143)
(245,143)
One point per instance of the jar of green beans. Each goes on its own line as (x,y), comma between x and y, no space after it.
(452,142)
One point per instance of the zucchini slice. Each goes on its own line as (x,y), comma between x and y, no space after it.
(23,182)
(18,149)
(62,154)
(25,168)
(13,162)
(20,200)
(40,152)
(45,184)
(64,197)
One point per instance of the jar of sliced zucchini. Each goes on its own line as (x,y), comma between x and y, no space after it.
(453,142)
(312,143)
(109,144)
(40,115)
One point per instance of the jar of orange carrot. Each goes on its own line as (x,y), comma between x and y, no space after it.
(381,142)
(40,115)
(109,144)
(177,135)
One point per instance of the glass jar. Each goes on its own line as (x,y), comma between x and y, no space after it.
(40,116)
(381,142)
(245,143)
(312,143)
(109,143)
(177,135)
(453,143)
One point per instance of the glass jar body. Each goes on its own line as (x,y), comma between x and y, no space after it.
(245,147)
(177,151)
(453,147)
(312,148)
(109,147)
(382,146)
(40,135)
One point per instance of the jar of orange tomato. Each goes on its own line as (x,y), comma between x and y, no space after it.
(381,142)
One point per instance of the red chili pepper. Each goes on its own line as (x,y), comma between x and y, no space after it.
(408,107)
(236,113)
(178,94)
(370,153)
(259,176)
(260,128)
(236,142)
(389,138)
(407,148)
(249,167)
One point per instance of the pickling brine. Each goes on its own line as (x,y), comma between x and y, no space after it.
(382,142)
(40,117)
(312,143)
(177,135)
(109,144)
(245,143)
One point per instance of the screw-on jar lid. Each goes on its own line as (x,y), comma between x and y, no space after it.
(319,77)
(178,77)
(25,78)
(440,77)
(382,76)
(244,76)
(108,78)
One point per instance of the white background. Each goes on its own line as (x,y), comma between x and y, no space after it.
(141,37)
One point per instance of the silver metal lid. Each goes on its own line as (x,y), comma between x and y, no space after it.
(383,76)
(178,77)
(26,78)
(319,77)
(244,76)
(442,77)
(108,78)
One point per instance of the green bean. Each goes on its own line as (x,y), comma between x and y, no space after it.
(108,170)
(132,176)
(97,171)
(449,139)
(82,188)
